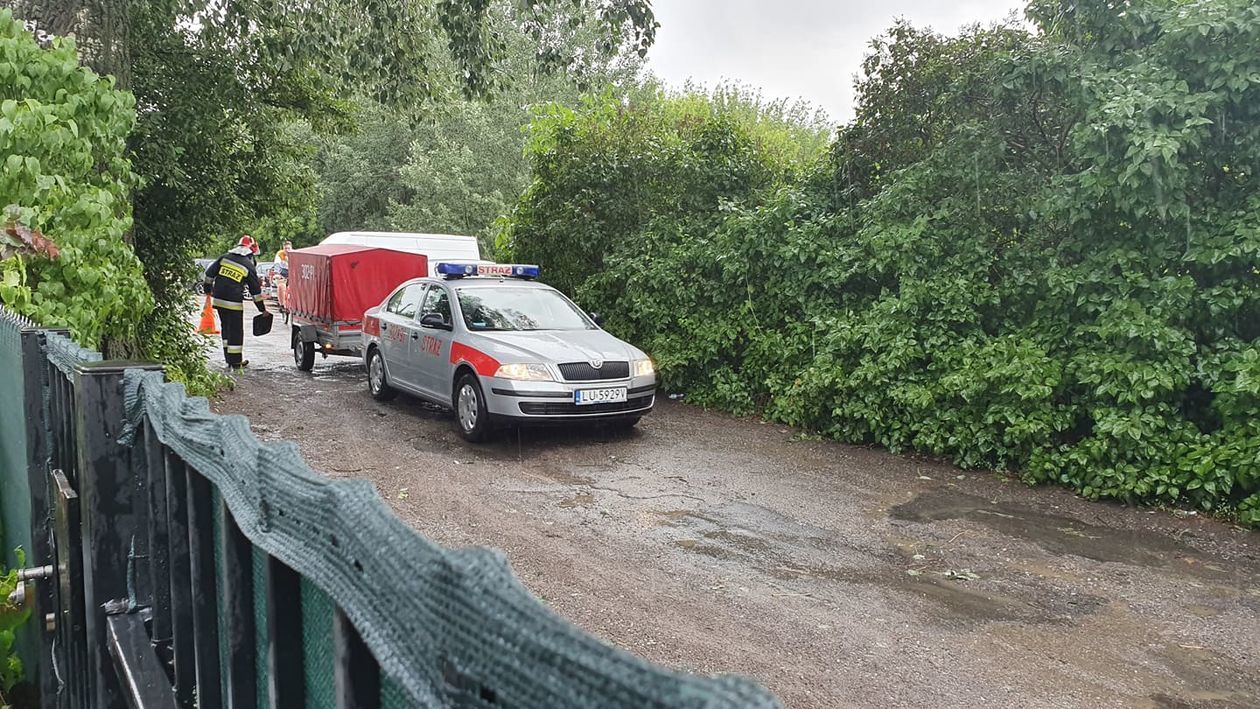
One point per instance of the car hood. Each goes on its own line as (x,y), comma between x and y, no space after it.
(559,346)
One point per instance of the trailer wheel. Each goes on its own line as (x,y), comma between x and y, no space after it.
(378,385)
(303,352)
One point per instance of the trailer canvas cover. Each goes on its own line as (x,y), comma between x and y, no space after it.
(337,283)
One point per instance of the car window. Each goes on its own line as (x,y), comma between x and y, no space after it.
(437,302)
(395,301)
(406,302)
(519,309)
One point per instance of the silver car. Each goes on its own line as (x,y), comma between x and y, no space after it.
(499,348)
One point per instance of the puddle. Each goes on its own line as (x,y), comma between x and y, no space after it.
(1212,681)
(670,518)
(582,499)
(747,541)
(563,476)
(969,604)
(1054,533)
(821,561)
(694,545)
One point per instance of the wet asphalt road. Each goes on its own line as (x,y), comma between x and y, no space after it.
(835,575)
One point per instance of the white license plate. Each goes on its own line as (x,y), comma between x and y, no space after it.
(599,396)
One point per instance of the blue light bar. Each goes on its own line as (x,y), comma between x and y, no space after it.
(501,270)
(457,270)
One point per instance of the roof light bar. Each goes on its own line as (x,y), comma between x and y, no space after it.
(501,270)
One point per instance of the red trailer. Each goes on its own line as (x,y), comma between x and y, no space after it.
(330,286)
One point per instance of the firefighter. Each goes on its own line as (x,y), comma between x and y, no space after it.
(226,281)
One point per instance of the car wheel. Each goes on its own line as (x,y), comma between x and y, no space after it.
(303,352)
(470,409)
(378,385)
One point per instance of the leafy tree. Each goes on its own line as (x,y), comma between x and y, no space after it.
(459,166)
(608,169)
(63,132)
(1032,251)
(218,86)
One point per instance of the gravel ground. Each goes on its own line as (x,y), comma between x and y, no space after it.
(835,575)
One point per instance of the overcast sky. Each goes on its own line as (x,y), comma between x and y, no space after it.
(809,49)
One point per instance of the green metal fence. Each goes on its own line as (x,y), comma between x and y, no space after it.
(15,510)
(197,565)
(15,506)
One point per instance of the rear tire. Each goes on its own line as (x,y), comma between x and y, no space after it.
(378,384)
(471,416)
(303,352)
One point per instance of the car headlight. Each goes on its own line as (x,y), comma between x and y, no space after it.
(525,372)
(642,368)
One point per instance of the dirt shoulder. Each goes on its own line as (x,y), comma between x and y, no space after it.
(835,575)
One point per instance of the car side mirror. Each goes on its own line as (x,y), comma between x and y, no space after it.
(599,319)
(435,321)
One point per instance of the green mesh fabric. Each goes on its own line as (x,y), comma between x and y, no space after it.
(260,624)
(392,695)
(446,626)
(317,647)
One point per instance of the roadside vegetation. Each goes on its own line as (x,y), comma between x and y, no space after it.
(1033,249)
(192,122)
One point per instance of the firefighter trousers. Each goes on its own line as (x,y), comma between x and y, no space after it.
(232,324)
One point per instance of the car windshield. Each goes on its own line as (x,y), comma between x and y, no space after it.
(519,309)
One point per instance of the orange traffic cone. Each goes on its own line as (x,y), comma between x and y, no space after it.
(207,326)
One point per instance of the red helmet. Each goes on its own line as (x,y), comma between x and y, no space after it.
(248,241)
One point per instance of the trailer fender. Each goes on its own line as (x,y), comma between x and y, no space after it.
(305,333)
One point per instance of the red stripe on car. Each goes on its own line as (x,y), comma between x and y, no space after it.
(485,365)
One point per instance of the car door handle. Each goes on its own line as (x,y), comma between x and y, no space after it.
(415,335)
(384,326)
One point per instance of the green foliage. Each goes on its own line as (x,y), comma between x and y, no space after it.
(1029,251)
(63,132)
(460,165)
(230,93)
(10,620)
(610,169)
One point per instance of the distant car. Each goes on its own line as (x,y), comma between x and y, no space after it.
(499,347)
(266,276)
(202,264)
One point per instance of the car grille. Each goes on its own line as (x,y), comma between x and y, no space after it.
(571,409)
(584,372)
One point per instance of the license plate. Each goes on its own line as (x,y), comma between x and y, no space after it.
(599,396)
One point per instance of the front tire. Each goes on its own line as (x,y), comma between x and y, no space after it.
(471,415)
(378,385)
(303,352)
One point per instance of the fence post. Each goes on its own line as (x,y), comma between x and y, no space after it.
(109,502)
(285,678)
(238,600)
(37,453)
(357,675)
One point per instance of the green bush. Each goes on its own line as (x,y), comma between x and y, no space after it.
(1030,251)
(62,132)
(10,620)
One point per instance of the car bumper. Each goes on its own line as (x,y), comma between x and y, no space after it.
(553,401)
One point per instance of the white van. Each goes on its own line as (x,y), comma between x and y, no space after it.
(438,247)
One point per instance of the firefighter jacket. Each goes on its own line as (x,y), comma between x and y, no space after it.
(228,279)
